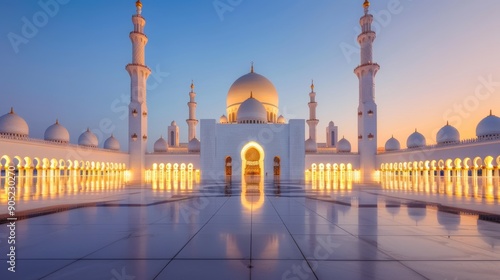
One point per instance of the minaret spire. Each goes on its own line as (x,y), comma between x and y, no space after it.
(312,122)
(138,110)
(192,121)
(138,6)
(366,6)
(367,109)
(251,68)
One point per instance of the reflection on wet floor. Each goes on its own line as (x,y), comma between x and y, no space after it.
(258,229)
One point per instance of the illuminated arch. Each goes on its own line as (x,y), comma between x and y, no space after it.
(467,163)
(478,163)
(488,162)
(262,155)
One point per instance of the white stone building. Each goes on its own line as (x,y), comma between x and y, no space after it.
(251,138)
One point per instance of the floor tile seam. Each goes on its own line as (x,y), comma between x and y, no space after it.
(296,244)
(82,258)
(191,238)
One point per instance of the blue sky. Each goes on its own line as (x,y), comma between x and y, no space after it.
(439,61)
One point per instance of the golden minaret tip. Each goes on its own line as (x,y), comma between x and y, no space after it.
(138,4)
(366,5)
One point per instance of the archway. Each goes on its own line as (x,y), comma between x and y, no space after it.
(277,166)
(229,166)
(252,158)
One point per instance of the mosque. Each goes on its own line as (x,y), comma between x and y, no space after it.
(251,138)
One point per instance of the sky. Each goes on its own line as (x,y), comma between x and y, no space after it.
(439,62)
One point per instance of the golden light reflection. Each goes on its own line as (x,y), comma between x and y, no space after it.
(172,176)
(49,185)
(333,177)
(485,188)
(252,192)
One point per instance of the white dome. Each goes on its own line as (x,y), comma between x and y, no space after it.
(281,119)
(263,90)
(415,140)
(160,145)
(330,124)
(448,134)
(392,144)
(489,126)
(223,119)
(173,123)
(194,145)
(57,133)
(88,139)
(112,143)
(252,111)
(343,146)
(311,145)
(13,125)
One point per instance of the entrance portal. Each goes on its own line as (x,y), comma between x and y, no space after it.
(252,157)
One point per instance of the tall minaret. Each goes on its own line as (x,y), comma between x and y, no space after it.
(312,122)
(138,118)
(367,110)
(192,121)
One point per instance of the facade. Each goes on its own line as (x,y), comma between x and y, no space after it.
(251,138)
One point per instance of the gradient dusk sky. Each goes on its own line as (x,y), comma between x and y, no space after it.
(440,61)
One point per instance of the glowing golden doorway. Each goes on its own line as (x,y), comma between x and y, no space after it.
(252,157)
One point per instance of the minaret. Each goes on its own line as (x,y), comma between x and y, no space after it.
(367,110)
(138,118)
(192,121)
(312,122)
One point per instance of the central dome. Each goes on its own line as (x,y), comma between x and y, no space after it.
(263,90)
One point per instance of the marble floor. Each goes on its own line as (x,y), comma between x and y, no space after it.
(274,231)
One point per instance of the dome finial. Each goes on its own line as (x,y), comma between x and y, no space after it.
(251,94)
(312,85)
(11,110)
(447,123)
(491,112)
(251,68)
(366,5)
(57,121)
(138,5)
(192,85)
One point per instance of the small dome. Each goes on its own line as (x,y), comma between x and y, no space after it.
(88,139)
(252,111)
(112,143)
(330,124)
(56,133)
(448,134)
(194,145)
(281,119)
(13,125)
(488,127)
(173,123)
(311,145)
(392,144)
(343,146)
(160,145)
(223,119)
(415,140)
